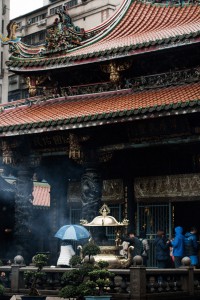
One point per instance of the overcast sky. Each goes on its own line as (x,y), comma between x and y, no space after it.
(20,7)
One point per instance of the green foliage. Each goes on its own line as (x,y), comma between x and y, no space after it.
(68,291)
(40,260)
(91,249)
(100,281)
(82,290)
(75,261)
(72,276)
(89,279)
(88,267)
(103,264)
(2,290)
(94,275)
(1,263)
(33,278)
(29,276)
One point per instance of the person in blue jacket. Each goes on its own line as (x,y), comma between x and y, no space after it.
(178,246)
(191,246)
(162,250)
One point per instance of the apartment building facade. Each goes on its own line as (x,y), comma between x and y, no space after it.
(32,27)
(4,11)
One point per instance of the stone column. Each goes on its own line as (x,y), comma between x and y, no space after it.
(91,192)
(137,283)
(58,214)
(23,211)
(17,156)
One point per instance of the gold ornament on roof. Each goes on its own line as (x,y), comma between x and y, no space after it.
(115,68)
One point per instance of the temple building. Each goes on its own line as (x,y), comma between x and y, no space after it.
(112,116)
(32,29)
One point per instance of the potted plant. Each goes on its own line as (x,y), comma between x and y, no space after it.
(90,281)
(33,278)
(97,286)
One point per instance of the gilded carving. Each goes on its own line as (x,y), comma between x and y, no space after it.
(32,83)
(112,191)
(173,186)
(75,152)
(114,69)
(7,153)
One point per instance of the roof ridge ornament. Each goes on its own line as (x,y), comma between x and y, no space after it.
(11,36)
(63,34)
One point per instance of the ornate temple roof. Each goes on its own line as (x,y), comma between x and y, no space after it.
(35,116)
(136,28)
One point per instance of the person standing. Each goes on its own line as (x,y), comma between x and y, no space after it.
(133,241)
(178,246)
(144,247)
(66,253)
(191,246)
(161,245)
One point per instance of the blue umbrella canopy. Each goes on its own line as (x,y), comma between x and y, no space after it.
(72,232)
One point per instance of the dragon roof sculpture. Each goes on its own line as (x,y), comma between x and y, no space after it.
(135,28)
(61,37)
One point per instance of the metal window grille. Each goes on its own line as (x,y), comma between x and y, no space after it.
(153,217)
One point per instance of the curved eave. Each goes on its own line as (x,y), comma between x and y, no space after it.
(108,55)
(99,109)
(141,28)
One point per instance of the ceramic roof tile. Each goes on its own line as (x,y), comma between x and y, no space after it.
(41,194)
(141,23)
(90,105)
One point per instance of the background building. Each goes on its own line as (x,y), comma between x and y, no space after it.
(4,11)
(32,28)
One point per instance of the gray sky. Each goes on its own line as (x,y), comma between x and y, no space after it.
(20,7)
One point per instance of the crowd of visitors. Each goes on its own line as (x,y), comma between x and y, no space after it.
(168,252)
(175,249)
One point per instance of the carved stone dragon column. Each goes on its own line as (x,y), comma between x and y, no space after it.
(81,151)
(91,192)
